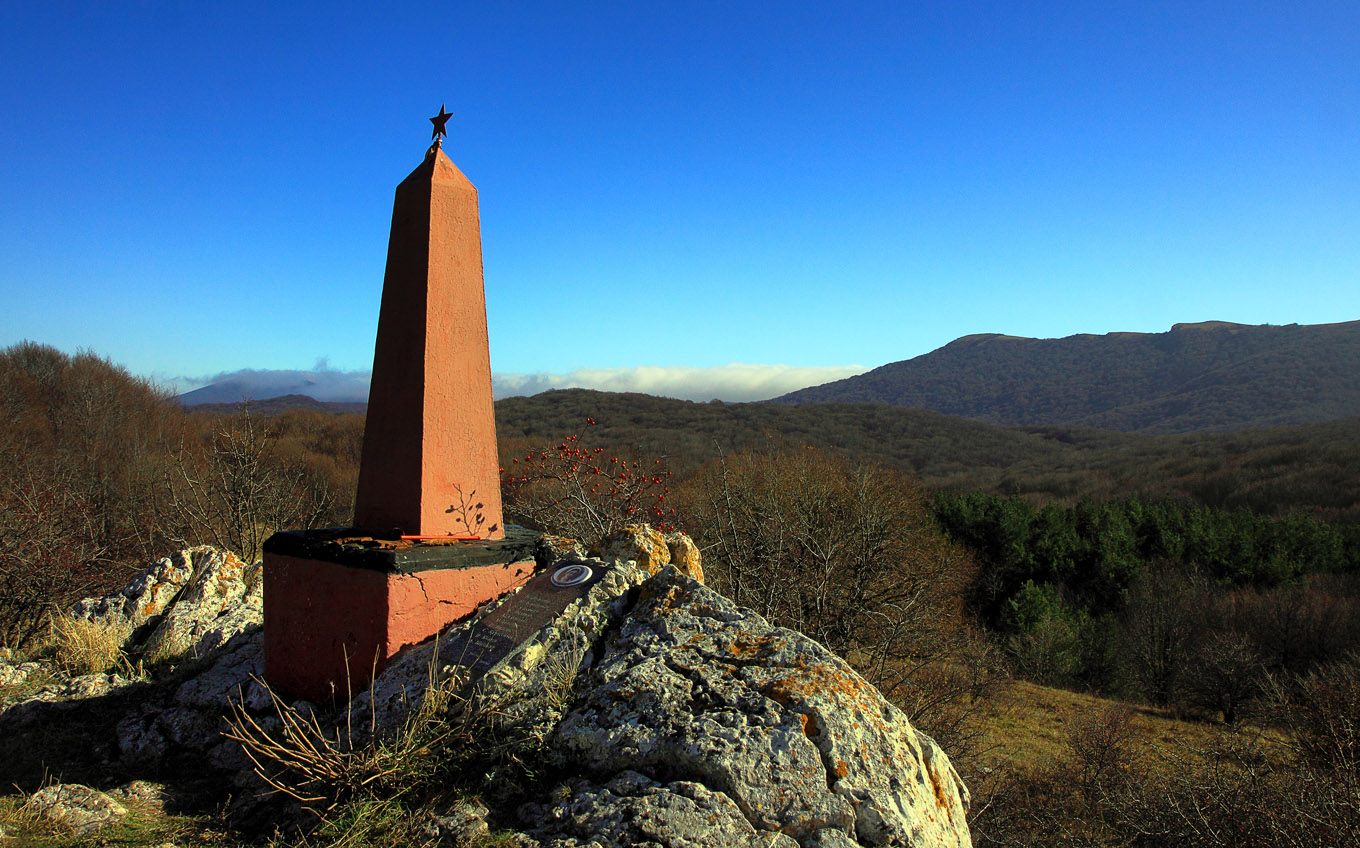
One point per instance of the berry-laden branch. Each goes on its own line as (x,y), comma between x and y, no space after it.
(586,492)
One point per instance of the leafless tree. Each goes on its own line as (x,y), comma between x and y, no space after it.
(235,493)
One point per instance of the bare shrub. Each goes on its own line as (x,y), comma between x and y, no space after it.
(233,491)
(449,742)
(1321,712)
(82,446)
(848,554)
(1299,626)
(50,554)
(1102,746)
(1228,674)
(1160,629)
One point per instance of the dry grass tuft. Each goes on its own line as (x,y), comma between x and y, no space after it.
(79,646)
(374,788)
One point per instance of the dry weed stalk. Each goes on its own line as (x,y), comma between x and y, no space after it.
(301,760)
(453,724)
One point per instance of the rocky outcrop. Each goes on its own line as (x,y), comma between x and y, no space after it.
(694,698)
(135,610)
(671,716)
(189,603)
(639,543)
(633,809)
(560,650)
(684,554)
(550,549)
(201,605)
(224,598)
(192,718)
(651,549)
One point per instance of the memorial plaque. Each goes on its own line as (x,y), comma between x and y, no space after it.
(544,598)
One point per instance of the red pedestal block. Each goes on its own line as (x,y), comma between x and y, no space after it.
(338,609)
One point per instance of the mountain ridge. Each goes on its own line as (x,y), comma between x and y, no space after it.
(1208,376)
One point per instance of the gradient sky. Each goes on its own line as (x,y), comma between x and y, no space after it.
(194,188)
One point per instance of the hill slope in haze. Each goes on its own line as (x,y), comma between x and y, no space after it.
(1313,466)
(1211,376)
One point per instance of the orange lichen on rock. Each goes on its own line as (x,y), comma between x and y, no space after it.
(685,555)
(941,799)
(753,648)
(641,543)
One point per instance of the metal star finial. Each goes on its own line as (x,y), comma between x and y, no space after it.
(439,121)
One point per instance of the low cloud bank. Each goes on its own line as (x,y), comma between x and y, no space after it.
(734,382)
(250,384)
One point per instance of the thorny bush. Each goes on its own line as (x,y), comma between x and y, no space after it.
(586,492)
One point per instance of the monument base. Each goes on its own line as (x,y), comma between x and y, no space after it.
(338,607)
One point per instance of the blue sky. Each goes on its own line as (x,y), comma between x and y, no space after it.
(194,188)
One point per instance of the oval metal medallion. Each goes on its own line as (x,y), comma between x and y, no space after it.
(571,575)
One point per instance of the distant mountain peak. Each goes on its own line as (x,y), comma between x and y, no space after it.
(975,338)
(1213,325)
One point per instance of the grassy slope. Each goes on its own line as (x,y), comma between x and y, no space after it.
(1026,726)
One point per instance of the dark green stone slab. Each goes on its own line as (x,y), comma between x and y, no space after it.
(402,557)
(499,633)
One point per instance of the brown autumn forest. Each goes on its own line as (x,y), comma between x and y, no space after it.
(1202,586)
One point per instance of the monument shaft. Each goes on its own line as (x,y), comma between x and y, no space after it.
(430,464)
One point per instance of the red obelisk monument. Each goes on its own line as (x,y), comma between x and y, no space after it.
(429,544)
(430,466)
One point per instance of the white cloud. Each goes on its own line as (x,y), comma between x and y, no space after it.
(737,381)
(734,382)
(250,384)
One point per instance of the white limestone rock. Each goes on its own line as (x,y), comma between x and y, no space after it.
(136,609)
(633,809)
(401,686)
(80,808)
(18,674)
(691,689)
(222,599)
(639,543)
(233,677)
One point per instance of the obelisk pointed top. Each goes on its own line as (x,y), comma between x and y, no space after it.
(437,167)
